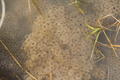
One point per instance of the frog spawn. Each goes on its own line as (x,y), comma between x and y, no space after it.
(54,47)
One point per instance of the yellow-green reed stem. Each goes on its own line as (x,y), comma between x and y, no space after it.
(95,43)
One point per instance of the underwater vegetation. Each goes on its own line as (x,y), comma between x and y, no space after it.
(75,2)
(99,29)
(3,13)
(48,40)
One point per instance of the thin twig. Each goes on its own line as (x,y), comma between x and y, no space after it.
(118,28)
(109,46)
(110,43)
(106,34)
(104,44)
(100,58)
(16,60)
(17,76)
(108,29)
(3,13)
(108,65)
(116,45)
(50,76)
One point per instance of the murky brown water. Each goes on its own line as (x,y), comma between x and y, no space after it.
(56,43)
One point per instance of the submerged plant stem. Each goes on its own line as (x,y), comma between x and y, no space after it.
(17,76)
(37,7)
(50,76)
(3,13)
(109,46)
(16,60)
(30,11)
(106,34)
(118,28)
(110,43)
(79,7)
(95,43)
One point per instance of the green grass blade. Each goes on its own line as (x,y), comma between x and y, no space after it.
(95,43)
(71,3)
(37,7)
(89,26)
(78,7)
(95,30)
(75,2)
(88,35)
